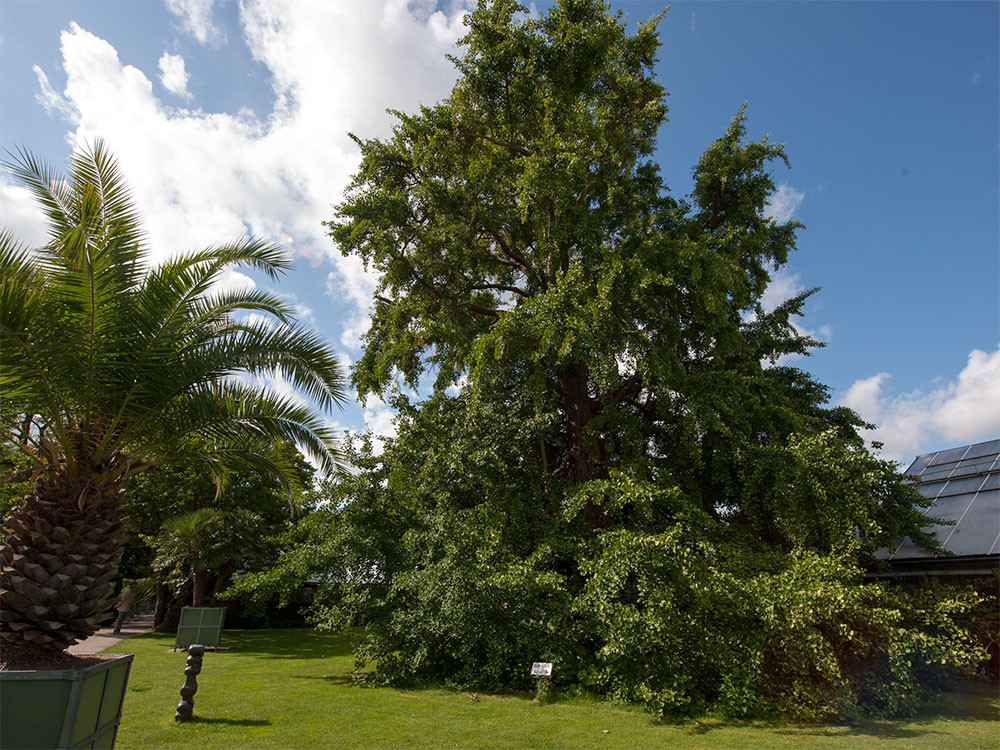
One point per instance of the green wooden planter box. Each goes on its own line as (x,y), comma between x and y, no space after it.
(63,709)
(200,625)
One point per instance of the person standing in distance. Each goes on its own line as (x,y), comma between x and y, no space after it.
(125,601)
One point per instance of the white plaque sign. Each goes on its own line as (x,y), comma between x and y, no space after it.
(541,669)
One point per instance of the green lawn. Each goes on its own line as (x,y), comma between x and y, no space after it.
(291,689)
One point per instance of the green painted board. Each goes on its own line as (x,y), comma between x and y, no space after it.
(89,711)
(26,700)
(65,708)
(200,625)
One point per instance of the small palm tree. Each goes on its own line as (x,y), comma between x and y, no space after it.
(205,547)
(114,366)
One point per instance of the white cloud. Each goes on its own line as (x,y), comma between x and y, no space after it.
(50,99)
(196,19)
(972,408)
(783,286)
(173,76)
(956,412)
(232,280)
(206,177)
(865,396)
(456,389)
(20,212)
(783,203)
(380,420)
(281,387)
(352,282)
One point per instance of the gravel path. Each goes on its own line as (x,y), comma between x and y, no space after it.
(104,638)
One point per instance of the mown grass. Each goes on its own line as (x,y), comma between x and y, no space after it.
(292,689)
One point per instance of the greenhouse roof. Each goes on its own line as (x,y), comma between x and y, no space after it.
(965,486)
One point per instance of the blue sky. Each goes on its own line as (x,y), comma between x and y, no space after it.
(232,117)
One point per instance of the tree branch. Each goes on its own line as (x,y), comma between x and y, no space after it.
(495,141)
(480,309)
(502,288)
(516,258)
(436,292)
(629,388)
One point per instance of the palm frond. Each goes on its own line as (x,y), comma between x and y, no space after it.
(49,189)
(26,375)
(229,416)
(116,210)
(134,360)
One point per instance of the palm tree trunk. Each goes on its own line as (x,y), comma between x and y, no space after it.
(60,552)
(221,581)
(198,580)
(162,600)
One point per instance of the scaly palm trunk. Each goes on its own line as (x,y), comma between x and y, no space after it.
(61,547)
(199,586)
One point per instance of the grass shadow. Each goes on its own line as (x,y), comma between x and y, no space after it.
(229,722)
(877,730)
(291,643)
(975,701)
(294,643)
(335,679)
(881,730)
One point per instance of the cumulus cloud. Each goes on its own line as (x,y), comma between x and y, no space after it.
(784,285)
(963,410)
(352,282)
(232,280)
(173,76)
(456,389)
(783,203)
(380,420)
(50,99)
(21,213)
(205,177)
(196,20)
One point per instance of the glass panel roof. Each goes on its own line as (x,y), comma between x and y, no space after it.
(961,486)
(968,466)
(908,550)
(951,507)
(978,531)
(937,474)
(919,464)
(952,454)
(930,490)
(964,483)
(989,448)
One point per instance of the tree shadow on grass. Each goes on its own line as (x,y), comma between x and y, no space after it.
(336,679)
(882,730)
(294,643)
(229,722)
(878,730)
(974,702)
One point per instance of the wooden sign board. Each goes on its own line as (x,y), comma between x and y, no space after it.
(541,669)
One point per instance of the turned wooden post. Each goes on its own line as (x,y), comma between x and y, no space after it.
(185,708)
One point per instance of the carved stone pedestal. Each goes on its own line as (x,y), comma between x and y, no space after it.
(185,709)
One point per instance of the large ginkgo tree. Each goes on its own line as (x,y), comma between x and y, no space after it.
(112,366)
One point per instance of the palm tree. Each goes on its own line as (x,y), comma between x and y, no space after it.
(114,366)
(204,547)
